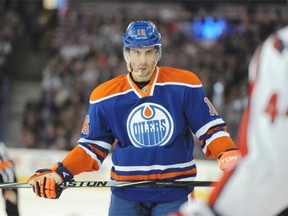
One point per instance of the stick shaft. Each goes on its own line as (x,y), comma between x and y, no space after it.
(78,184)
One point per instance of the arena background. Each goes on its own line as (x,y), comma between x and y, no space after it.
(53,53)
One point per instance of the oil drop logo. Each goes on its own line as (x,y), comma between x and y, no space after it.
(149,125)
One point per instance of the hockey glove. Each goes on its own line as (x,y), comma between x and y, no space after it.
(228,159)
(46,181)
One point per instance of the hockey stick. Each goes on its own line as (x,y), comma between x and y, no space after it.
(77,184)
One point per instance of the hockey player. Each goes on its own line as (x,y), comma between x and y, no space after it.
(7,174)
(153,112)
(260,177)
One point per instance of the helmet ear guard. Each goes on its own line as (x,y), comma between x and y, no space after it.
(159,50)
(127,58)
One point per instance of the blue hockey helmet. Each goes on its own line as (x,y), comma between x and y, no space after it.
(141,34)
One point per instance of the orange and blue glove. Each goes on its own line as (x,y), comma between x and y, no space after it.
(228,159)
(46,182)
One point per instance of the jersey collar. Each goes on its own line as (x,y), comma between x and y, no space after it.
(147,90)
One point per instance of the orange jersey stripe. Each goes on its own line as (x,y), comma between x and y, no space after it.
(212,130)
(101,153)
(218,146)
(151,176)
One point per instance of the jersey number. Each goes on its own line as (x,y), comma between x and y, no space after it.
(272,108)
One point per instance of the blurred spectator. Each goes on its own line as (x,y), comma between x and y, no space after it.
(9,26)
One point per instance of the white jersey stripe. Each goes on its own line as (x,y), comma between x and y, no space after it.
(96,142)
(207,126)
(153,167)
(215,136)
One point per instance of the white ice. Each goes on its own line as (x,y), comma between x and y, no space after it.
(73,202)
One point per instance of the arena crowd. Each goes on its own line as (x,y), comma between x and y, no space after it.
(86,50)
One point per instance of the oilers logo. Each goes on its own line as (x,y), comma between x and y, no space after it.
(149,125)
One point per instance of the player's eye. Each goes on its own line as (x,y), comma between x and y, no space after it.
(150,52)
(135,52)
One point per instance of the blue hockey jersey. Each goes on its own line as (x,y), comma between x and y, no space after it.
(154,127)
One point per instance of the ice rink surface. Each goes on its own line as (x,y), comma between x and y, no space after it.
(73,202)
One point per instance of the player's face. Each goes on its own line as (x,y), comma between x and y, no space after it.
(143,62)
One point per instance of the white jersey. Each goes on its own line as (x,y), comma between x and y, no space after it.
(258,186)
